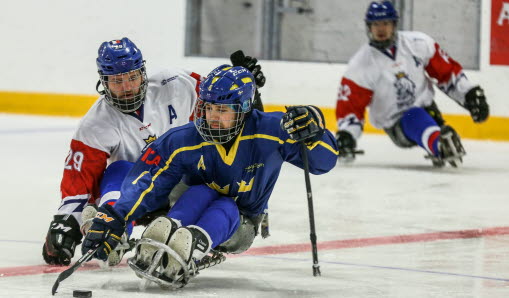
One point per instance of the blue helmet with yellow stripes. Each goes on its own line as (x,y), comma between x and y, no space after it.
(225,100)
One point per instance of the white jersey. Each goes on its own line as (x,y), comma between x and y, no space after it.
(391,81)
(105,134)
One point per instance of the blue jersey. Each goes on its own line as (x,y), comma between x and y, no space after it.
(247,172)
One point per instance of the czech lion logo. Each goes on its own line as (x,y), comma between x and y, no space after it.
(405,90)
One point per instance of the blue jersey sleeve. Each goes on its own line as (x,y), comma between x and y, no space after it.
(148,184)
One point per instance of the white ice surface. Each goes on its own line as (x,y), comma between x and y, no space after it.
(387,192)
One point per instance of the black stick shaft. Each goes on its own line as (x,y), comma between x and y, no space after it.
(65,274)
(312,235)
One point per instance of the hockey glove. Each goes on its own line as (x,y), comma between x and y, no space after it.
(475,103)
(303,123)
(105,233)
(238,59)
(346,145)
(63,236)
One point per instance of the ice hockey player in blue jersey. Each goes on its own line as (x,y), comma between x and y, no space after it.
(232,156)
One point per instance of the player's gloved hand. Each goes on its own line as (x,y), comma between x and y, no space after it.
(303,123)
(346,145)
(63,236)
(105,233)
(238,59)
(475,103)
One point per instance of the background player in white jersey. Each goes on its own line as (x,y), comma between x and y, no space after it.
(393,75)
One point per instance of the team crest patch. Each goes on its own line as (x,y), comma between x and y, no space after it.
(405,90)
(150,139)
(222,190)
(244,186)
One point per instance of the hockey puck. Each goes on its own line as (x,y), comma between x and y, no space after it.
(80,293)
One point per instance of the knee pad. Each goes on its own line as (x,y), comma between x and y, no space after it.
(398,137)
(242,239)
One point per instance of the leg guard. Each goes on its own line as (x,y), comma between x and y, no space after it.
(398,137)
(243,238)
(419,127)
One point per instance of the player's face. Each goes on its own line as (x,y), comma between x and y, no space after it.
(220,116)
(126,85)
(382,30)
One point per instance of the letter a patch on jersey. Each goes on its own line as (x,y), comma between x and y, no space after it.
(201,164)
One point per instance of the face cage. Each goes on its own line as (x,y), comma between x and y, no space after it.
(383,44)
(129,103)
(218,135)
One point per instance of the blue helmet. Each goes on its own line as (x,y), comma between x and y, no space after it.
(378,11)
(118,56)
(227,94)
(122,74)
(381,11)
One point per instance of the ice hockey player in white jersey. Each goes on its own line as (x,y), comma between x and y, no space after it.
(393,75)
(132,111)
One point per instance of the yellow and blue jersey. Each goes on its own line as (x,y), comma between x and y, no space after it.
(247,172)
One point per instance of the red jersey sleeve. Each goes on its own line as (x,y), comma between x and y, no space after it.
(352,99)
(198,79)
(83,170)
(442,67)
(449,75)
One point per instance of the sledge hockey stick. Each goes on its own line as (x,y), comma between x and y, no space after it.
(65,274)
(312,235)
(356,152)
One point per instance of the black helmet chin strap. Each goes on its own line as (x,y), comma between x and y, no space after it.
(102,92)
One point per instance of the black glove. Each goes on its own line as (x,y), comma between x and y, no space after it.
(475,103)
(63,236)
(346,145)
(238,59)
(106,232)
(303,123)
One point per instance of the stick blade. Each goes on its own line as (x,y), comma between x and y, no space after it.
(66,273)
(55,287)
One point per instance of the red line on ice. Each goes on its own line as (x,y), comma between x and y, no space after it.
(384,240)
(295,248)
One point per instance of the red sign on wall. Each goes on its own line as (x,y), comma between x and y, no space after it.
(499,52)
